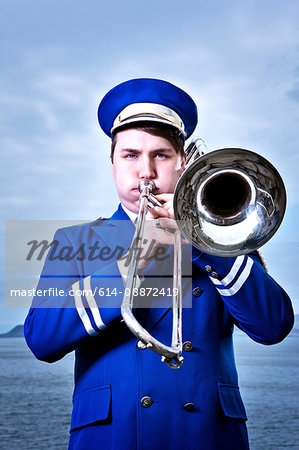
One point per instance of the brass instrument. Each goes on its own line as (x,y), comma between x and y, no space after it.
(171,355)
(227,202)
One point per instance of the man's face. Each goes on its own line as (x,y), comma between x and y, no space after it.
(140,155)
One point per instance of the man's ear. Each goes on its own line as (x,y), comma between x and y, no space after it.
(112,166)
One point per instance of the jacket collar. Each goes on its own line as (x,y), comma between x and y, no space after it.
(117,230)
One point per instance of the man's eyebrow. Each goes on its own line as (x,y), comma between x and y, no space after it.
(155,150)
(163,150)
(134,150)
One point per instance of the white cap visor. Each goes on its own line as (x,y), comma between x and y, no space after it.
(151,112)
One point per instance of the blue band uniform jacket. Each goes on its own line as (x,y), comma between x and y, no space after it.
(125,398)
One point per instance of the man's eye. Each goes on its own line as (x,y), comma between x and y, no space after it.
(161,156)
(130,156)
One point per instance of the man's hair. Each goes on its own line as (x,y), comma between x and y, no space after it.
(162,130)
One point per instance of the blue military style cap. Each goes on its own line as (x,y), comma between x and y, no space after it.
(147,99)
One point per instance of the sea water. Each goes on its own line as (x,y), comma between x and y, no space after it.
(36,397)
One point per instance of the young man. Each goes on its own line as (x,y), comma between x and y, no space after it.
(125,397)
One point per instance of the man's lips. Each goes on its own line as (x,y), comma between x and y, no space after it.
(155,191)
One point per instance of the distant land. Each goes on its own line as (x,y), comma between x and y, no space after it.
(16,332)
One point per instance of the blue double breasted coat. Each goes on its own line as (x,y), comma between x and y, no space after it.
(125,398)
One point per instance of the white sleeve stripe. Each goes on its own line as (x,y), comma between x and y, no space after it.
(240,281)
(232,273)
(216,281)
(234,270)
(81,310)
(92,304)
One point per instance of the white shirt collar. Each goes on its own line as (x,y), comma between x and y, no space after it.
(133,216)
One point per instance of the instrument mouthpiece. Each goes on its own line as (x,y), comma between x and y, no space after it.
(146,184)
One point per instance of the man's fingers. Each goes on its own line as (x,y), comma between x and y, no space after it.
(157,211)
(167,205)
(164,198)
(163,222)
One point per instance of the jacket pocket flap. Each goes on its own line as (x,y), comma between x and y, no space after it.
(91,406)
(231,401)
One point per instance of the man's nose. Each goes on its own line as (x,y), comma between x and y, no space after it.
(147,168)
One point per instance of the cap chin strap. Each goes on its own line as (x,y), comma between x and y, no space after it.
(151,112)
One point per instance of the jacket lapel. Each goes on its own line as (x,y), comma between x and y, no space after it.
(118,230)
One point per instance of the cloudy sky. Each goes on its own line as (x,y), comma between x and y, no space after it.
(238,60)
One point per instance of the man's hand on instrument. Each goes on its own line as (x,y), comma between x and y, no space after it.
(166,210)
(159,229)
